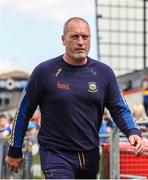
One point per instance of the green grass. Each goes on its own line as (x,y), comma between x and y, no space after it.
(36,160)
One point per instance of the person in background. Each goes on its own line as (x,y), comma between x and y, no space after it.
(72,91)
(108,119)
(10,120)
(36,118)
(140,116)
(128,86)
(145,95)
(32,129)
(5,129)
(139,112)
(106,127)
(30,140)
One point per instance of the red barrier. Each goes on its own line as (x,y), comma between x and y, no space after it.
(130,164)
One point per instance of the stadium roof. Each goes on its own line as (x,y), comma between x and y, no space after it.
(14,75)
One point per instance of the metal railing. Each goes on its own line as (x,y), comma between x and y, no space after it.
(31,164)
(111,155)
(111,160)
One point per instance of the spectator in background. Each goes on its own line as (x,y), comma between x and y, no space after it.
(36,119)
(139,112)
(5,130)
(128,86)
(10,120)
(145,95)
(32,129)
(27,150)
(4,126)
(140,116)
(107,118)
(106,127)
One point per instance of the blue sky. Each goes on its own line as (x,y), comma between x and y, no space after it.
(31,30)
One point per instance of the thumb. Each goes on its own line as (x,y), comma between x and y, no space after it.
(131,140)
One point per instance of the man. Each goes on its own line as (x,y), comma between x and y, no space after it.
(72,91)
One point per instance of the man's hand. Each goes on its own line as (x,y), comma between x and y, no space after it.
(14,163)
(137,143)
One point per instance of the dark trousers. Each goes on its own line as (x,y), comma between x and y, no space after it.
(69,165)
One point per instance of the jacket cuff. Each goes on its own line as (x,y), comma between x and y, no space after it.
(15,152)
(134,131)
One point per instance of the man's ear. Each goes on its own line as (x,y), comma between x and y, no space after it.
(63,39)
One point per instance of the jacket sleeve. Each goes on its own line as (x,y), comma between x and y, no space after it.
(119,109)
(30,99)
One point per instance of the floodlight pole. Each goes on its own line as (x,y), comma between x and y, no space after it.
(144,34)
(97,28)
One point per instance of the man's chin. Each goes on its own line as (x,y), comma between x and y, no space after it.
(80,57)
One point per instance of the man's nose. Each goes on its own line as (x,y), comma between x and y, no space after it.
(80,40)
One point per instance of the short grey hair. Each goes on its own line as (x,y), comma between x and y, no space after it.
(71,19)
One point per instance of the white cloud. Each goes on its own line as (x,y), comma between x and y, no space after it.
(56,10)
(7,65)
(53,11)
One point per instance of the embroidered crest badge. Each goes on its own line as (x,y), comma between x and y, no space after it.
(92,87)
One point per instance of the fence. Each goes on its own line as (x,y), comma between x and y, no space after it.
(31,165)
(118,160)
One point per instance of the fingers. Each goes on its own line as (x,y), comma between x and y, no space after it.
(139,148)
(14,164)
(13,168)
(137,142)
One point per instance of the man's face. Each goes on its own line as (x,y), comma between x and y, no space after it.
(3,123)
(77,40)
